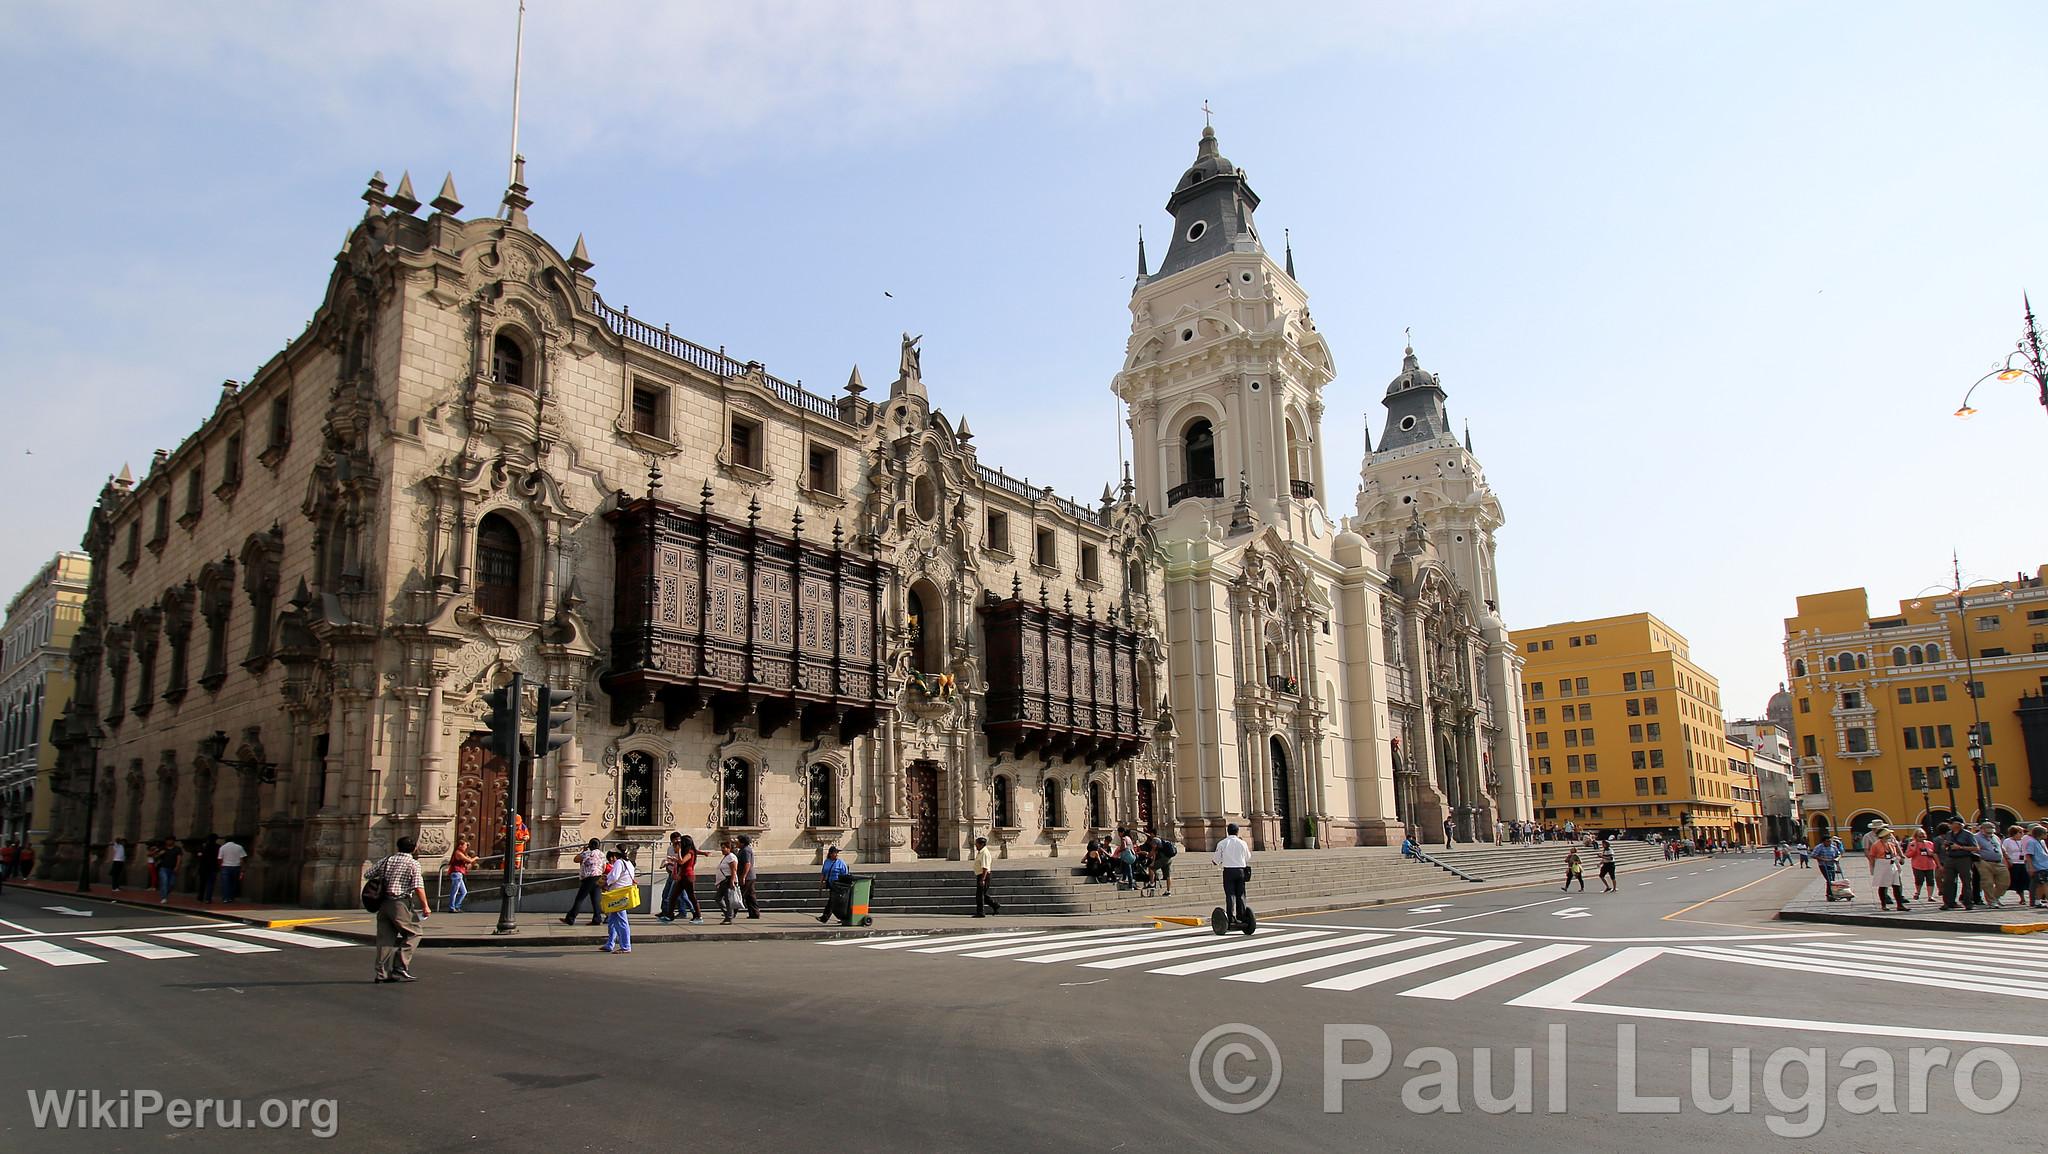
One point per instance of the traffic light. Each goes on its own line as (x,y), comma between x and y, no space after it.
(551,718)
(504,719)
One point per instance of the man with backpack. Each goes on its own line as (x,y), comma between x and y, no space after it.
(400,895)
(590,865)
(1162,862)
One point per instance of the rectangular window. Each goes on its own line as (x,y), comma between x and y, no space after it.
(195,485)
(1859,780)
(1571,739)
(1659,787)
(1638,759)
(1564,687)
(1912,738)
(1574,643)
(821,470)
(1649,679)
(1993,651)
(743,445)
(1656,759)
(1926,737)
(1571,763)
(1532,647)
(1536,691)
(1543,765)
(134,541)
(1544,789)
(1859,740)
(1585,737)
(231,464)
(1592,789)
(1852,699)
(1539,715)
(1635,733)
(1906,695)
(1983,733)
(1543,739)
(1633,707)
(1945,737)
(1649,707)
(1806,705)
(1920,779)
(1582,687)
(647,415)
(1547,646)
(163,519)
(1807,746)
(1578,789)
(1628,682)
(1571,713)
(1642,787)
(1089,569)
(1586,712)
(1653,731)
(1974,689)
(1990,624)
(1592,763)
(1048,549)
(1592,639)
(999,532)
(280,423)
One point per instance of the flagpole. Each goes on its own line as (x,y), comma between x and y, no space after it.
(518,61)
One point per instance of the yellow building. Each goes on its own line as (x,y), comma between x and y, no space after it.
(35,686)
(1884,703)
(1625,732)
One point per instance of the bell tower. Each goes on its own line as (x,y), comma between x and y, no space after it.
(1224,370)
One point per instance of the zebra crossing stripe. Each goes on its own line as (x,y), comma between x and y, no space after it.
(1332,961)
(137,947)
(307,940)
(1207,964)
(1098,949)
(1884,966)
(928,939)
(52,954)
(1564,991)
(975,942)
(1457,986)
(1988,951)
(224,945)
(1910,956)
(1848,970)
(1322,938)
(1373,976)
(871,942)
(1037,944)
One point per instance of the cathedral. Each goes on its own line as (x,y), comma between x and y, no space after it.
(815,619)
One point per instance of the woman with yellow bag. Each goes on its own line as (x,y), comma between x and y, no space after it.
(620,894)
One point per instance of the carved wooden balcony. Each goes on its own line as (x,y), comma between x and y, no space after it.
(1061,685)
(753,624)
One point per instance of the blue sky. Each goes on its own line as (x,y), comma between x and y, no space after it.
(1707,279)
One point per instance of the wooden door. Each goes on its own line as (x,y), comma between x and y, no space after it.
(480,783)
(924,808)
(1145,806)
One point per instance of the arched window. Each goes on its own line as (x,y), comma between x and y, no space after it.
(1799,668)
(999,803)
(1934,653)
(1051,817)
(498,567)
(1831,665)
(926,630)
(1862,662)
(1847,661)
(1096,811)
(508,361)
(1898,655)
(818,800)
(1918,655)
(736,793)
(1198,445)
(636,789)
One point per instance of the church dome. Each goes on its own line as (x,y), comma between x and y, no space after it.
(1412,375)
(1780,707)
(1209,161)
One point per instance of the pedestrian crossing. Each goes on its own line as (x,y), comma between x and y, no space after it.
(1448,965)
(94,949)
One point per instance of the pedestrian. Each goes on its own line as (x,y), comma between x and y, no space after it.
(618,875)
(589,876)
(206,861)
(728,889)
(151,865)
(1163,853)
(984,874)
(1921,857)
(231,855)
(2037,849)
(1608,881)
(1991,876)
(1958,855)
(25,866)
(746,877)
(1827,856)
(460,862)
(672,892)
(1574,870)
(1236,859)
(117,863)
(687,891)
(1447,833)
(830,875)
(167,869)
(2018,864)
(1887,871)
(1127,860)
(400,913)
(10,856)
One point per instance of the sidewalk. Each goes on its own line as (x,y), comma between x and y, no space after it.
(1810,906)
(276,917)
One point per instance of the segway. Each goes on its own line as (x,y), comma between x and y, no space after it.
(1223,923)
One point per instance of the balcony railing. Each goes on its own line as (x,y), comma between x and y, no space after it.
(1200,487)
(711,361)
(1304,490)
(1025,490)
(1285,685)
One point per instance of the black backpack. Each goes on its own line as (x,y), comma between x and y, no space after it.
(373,889)
(1166,850)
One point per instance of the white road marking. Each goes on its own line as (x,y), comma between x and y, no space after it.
(69,912)
(309,941)
(1488,913)
(1850,970)
(137,947)
(974,942)
(1098,936)
(1430,909)
(1377,974)
(927,939)
(1448,989)
(224,945)
(1320,938)
(1100,949)
(1207,964)
(52,954)
(1584,980)
(1332,961)
(16,926)
(1572,912)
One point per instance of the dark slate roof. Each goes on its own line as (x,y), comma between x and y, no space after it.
(1213,195)
(1416,393)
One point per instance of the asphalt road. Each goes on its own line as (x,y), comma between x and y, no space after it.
(1051,1040)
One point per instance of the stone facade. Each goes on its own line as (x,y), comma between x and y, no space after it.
(35,687)
(812,619)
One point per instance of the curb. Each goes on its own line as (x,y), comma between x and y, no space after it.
(1894,921)
(276,923)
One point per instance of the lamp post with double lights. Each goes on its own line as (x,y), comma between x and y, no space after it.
(1948,778)
(2033,366)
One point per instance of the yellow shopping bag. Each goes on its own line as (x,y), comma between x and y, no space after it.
(623,898)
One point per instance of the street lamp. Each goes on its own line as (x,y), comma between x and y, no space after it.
(2028,351)
(1948,778)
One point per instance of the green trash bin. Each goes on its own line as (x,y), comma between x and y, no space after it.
(860,892)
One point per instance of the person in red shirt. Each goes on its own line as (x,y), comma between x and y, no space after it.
(10,856)
(1920,855)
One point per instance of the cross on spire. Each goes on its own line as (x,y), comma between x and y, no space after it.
(1206,112)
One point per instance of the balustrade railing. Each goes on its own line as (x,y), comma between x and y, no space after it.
(711,361)
(1199,487)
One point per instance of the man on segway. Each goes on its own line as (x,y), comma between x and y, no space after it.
(1236,859)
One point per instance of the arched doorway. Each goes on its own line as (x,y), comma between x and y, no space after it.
(1934,819)
(1860,825)
(2003,818)
(1817,829)
(1283,795)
